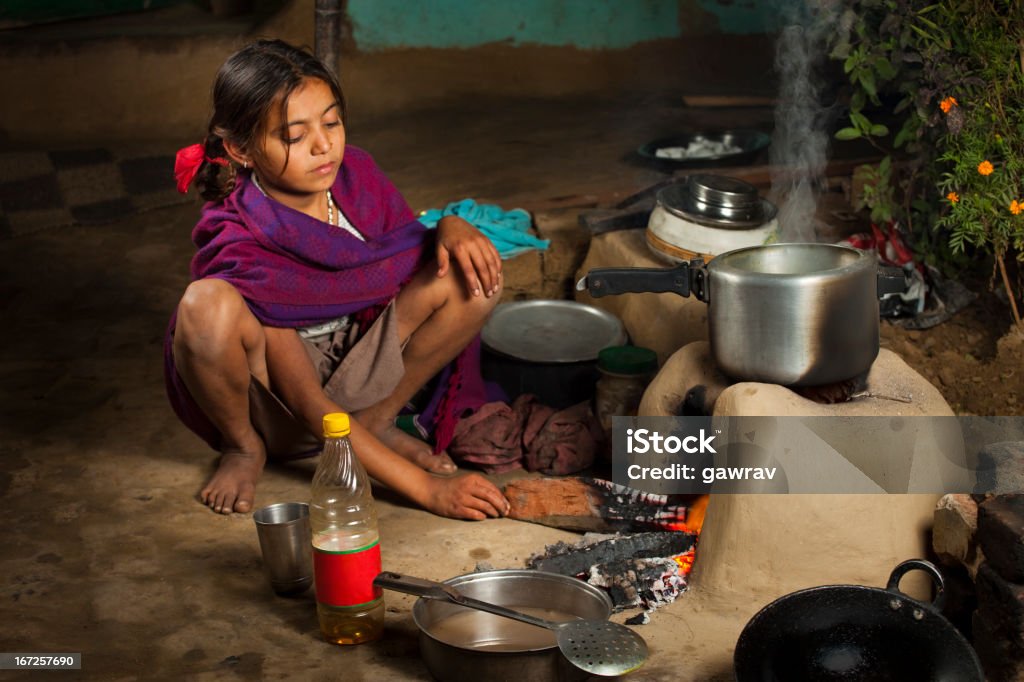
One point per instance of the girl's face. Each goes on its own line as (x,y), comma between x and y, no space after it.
(302,153)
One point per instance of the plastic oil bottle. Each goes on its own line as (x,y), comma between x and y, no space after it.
(346,544)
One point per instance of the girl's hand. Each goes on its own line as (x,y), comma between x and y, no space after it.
(470,496)
(474,253)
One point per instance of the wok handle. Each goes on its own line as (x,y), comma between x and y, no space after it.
(891,280)
(919,565)
(682,279)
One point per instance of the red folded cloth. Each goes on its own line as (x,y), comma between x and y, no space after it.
(499,437)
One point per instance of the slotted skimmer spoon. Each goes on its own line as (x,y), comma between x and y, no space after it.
(597,647)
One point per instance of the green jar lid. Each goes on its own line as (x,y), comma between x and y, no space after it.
(627,360)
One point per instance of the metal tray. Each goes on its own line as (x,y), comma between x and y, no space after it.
(750,143)
(551,331)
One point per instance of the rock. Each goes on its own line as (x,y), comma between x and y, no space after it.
(956,522)
(1000,604)
(1001,535)
(1002,660)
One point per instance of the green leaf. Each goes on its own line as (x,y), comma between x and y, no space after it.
(879,130)
(858,100)
(847,134)
(884,68)
(860,121)
(867,81)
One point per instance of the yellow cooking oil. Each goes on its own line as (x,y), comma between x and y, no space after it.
(351,624)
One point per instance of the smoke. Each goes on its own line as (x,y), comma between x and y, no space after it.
(800,143)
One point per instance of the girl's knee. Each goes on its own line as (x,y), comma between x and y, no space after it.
(208,304)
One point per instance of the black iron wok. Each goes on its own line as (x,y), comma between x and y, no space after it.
(852,632)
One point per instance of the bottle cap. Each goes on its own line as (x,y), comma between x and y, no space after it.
(336,425)
(627,360)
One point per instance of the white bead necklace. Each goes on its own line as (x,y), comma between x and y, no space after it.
(330,208)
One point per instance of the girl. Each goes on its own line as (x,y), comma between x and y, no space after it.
(316,290)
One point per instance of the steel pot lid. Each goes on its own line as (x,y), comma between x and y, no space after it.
(721,190)
(551,331)
(717,201)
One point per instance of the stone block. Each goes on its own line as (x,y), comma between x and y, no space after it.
(956,522)
(1002,660)
(1000,604)
(1001,535)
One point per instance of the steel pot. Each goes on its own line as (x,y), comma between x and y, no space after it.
(790,314)
(855,633)
(477,654)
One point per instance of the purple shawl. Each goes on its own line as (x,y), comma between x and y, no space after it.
(294,270)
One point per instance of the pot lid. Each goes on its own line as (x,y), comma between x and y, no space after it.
(720,190)
(717,201)
(551,331)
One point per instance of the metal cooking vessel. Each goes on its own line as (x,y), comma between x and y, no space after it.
(470,661)
(852,633)
(790,314)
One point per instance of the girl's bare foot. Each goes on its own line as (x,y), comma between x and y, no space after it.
(232,488)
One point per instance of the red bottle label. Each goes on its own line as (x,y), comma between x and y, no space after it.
(346,578)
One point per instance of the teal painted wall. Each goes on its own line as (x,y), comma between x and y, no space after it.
(586,24)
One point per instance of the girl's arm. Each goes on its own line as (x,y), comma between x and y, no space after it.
(473,253)
(293,378)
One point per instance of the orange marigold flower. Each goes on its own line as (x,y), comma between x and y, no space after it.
(985,168)
(948,104)
(1016,207)
(953,197)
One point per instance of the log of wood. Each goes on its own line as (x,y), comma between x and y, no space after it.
(586,504)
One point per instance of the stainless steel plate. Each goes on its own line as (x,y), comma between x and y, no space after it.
(551,331)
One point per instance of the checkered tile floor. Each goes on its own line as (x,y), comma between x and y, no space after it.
(41,190)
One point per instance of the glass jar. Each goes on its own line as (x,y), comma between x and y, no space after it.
(624,372)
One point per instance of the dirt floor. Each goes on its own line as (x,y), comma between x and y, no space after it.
(107,551)
(976,359)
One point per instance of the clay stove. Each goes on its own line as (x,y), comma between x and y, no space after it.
(755,548)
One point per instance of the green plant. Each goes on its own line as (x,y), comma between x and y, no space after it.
(951,74)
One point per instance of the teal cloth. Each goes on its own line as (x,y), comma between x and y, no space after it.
(507,230)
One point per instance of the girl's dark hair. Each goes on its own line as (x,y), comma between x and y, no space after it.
(248,85)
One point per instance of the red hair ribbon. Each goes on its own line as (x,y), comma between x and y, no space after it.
(187,162)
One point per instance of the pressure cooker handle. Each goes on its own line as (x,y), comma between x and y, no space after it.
(919,565)
(891,280)
(682,279)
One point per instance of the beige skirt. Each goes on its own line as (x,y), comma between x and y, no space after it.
(354,374)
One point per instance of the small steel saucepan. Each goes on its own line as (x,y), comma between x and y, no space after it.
(790,314)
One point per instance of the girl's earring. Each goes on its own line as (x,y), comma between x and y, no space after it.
(245,164)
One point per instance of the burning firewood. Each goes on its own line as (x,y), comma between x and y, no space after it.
(642,569)
(595,505)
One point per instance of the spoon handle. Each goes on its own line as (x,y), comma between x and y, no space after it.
(429,589)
